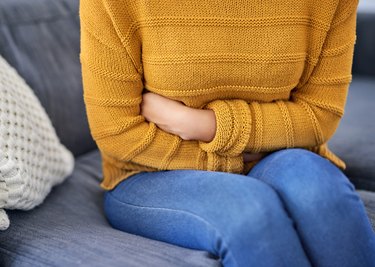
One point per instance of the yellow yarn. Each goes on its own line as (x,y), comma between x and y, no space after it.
(276,73)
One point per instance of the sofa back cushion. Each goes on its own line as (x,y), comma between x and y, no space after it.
(364,54)
(40,39)
(32,159)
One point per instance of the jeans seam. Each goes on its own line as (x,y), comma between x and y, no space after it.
(216,232)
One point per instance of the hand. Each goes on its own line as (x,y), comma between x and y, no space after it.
(166,113)
(199,124)
(174,117)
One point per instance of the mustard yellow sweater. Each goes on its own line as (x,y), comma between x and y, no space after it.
(275,73)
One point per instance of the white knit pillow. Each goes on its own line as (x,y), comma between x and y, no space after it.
(32,159)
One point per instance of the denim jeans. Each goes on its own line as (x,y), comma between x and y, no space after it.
(294,208)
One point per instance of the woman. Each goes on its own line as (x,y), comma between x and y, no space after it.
(212,119)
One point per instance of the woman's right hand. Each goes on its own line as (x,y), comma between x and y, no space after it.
(247,157)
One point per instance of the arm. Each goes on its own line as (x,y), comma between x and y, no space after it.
(112,82)
(186,122)
(311,115)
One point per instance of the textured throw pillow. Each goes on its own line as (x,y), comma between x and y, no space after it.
(32,159)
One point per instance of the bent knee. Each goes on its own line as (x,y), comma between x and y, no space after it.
(299,170)
(303,177)
(297,158)
(251,209)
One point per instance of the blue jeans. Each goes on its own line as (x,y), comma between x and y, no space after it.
(294,208)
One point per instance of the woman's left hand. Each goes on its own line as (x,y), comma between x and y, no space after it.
(176,118)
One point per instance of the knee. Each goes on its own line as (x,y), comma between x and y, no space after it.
(252,210)
(304,177)
(290,159)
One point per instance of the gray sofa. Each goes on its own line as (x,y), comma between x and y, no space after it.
(40,38)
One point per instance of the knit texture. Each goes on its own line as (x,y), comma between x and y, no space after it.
(276,74)
(32,160)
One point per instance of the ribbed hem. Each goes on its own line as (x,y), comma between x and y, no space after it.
(216,162)
(113,174)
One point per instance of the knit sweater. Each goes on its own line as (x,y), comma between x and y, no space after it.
(275,73)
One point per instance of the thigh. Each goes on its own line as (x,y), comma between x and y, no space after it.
(194,208)
(330,217)
(213,198)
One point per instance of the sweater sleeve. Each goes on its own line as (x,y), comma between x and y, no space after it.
(312,113)
(113,85)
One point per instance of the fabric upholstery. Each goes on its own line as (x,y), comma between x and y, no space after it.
(69,229)
(364,49)
(368,199)
(40,38)
(354,139)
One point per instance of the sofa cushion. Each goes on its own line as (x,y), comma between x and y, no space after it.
(354,139)
(32,159)
(368,199)
(70,229)
(364,54)
(40,38)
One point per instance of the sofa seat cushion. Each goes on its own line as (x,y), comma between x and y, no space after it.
(354,139)
(70,229)
(368,199)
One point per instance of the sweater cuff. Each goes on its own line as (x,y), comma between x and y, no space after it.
(233,127)
(216,162)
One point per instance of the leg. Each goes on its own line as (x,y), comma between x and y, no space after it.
(330,216)
(238,219)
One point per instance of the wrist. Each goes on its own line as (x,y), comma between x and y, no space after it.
(206,125)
